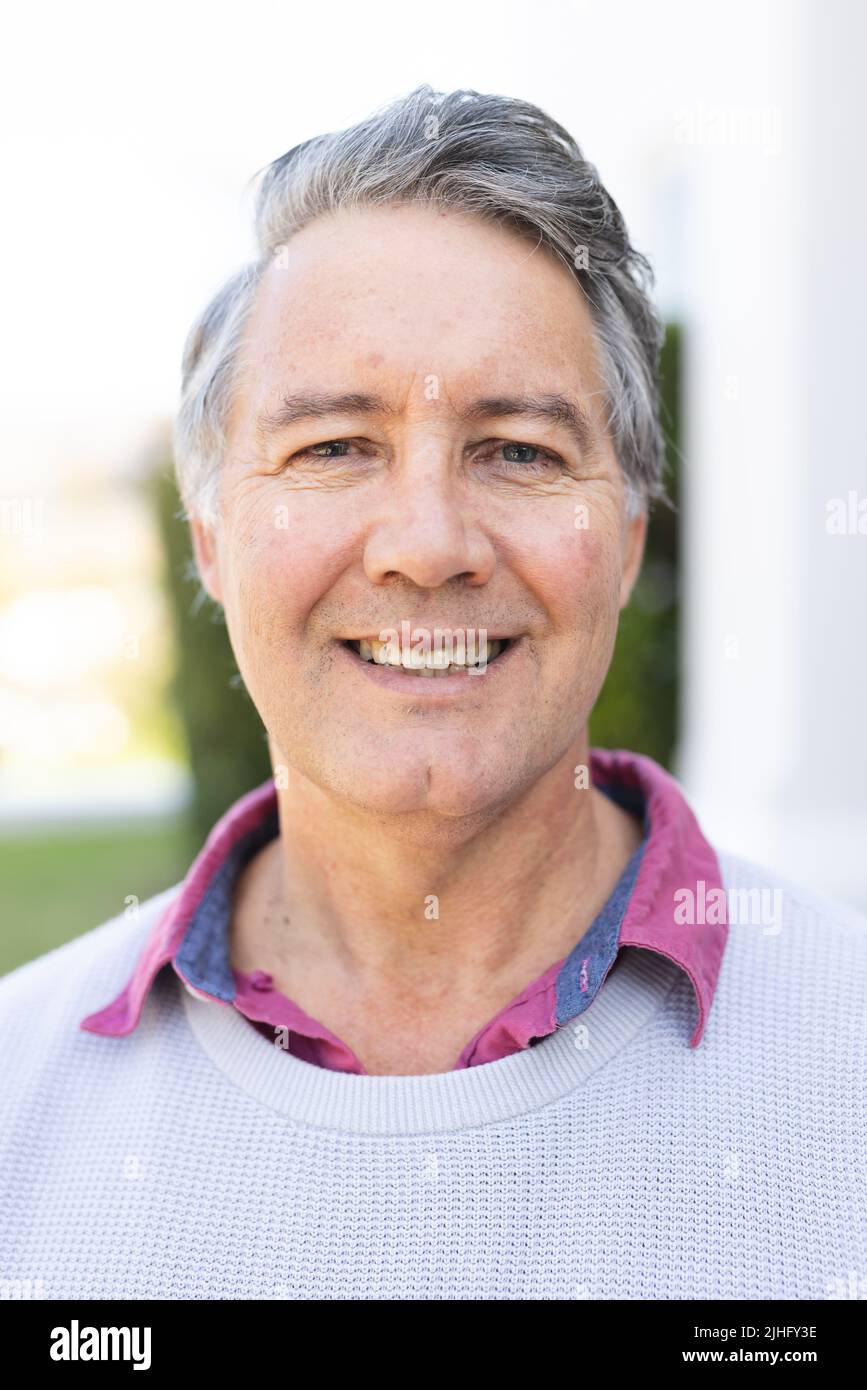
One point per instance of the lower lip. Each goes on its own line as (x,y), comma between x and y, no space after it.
(431,688)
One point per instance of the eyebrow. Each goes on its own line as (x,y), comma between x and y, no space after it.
(550,407)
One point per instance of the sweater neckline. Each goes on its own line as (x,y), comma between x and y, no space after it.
(635,989)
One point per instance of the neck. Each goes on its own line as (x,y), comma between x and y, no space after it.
(426,927)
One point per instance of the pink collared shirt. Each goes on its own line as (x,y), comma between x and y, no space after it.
(192,933)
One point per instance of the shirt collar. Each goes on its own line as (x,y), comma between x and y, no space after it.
(673,857)
(677,860)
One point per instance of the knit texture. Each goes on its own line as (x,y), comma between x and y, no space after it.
(192,1159)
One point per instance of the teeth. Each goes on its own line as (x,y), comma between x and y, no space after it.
(436,660)
(430,664)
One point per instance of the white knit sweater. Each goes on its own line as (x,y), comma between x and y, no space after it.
(193,1159)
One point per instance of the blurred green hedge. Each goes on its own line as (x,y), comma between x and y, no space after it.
(638,706)
(227,745)
(226,740)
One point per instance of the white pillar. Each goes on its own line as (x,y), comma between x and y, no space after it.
(773,750)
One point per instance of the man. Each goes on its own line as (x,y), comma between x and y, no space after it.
(458,1006)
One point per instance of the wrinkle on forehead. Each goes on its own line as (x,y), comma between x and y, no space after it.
(400,298)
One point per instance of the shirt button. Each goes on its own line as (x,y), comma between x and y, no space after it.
(260,980)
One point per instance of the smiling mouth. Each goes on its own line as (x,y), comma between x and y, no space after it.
(432,664)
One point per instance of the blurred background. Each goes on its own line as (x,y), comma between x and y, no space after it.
(730,135)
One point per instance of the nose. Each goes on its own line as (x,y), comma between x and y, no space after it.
(428,533)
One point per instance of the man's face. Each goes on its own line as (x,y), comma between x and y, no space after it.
(425,513)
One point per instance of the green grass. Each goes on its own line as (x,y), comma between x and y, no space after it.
(54,885)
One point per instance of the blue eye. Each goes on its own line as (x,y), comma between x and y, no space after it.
(530,447)
(327,444)
(542,458)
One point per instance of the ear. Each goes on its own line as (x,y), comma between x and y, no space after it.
(634,537)
(207,559)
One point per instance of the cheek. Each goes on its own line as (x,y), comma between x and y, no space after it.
(598,569)
(577,575)
(285,556)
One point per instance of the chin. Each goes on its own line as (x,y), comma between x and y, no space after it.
(448,788)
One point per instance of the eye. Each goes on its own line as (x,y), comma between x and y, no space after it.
(527,449)
(527,458)
(312,451)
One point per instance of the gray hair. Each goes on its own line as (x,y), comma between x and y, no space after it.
(497,157)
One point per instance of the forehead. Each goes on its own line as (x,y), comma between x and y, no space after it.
(405,292)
